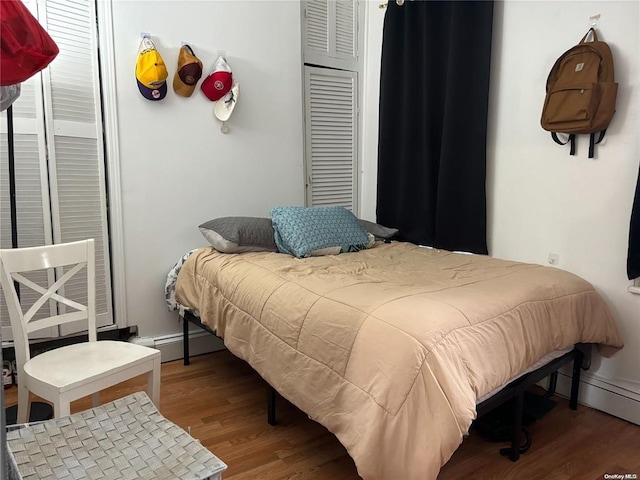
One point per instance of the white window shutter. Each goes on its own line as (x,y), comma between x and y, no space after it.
(330,33)
(316,23)
(331,137)
(75,146)
(29,196)
(29,206)
(60,178)
(346,26)
(32,193)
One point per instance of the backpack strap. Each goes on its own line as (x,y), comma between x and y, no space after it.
(593,142)
(572,139)
(586,35)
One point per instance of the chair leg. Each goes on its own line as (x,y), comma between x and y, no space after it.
(61,408)
(95,399)
(24,406)
(153,383)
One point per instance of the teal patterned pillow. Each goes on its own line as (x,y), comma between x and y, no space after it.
(300,231)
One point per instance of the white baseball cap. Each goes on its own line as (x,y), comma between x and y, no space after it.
(224,107)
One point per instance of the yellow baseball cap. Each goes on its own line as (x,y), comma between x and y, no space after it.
(151,72)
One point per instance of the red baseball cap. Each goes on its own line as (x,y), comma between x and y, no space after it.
(219,82)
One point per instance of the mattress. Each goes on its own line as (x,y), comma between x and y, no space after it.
(540,363)
(391,348)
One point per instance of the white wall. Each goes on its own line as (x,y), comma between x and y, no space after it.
(177,169)
(540,199)
(369,113)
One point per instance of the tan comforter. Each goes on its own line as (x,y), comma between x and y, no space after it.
(390,348)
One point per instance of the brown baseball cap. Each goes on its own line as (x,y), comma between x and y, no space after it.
(188,73)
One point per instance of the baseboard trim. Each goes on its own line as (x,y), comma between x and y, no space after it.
(171,347)
(603,396)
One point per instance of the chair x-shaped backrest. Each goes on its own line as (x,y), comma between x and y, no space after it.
(74,257)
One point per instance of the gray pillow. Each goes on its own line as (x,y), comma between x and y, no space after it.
(240,234)
(377,230)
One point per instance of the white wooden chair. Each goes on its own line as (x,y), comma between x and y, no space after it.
(67,373)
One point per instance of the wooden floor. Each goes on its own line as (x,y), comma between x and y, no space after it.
(223,401)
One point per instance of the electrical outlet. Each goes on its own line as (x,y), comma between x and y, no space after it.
(553,259)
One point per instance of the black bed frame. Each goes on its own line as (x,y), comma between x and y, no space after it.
(514,390)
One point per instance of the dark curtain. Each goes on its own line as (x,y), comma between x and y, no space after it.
(633,258)
(434,92)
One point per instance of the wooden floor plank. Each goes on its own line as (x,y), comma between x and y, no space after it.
(223,403)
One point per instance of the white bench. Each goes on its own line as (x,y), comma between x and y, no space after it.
(123,439)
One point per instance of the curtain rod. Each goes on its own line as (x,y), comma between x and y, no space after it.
(384,5)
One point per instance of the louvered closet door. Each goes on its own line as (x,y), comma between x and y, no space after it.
(330,31)
(32,195)
(331,138)
(345,29)
(316,23)
(75,147)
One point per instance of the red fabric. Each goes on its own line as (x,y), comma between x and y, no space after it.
(25,47)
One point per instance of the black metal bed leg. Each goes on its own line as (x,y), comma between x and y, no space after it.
(271,406)
(575,380)
(185,340)
(553,382)
(517,426)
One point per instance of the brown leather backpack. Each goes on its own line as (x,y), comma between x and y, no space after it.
(581,93)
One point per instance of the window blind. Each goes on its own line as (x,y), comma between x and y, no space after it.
(59,154)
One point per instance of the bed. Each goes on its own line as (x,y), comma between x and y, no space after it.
(395,348)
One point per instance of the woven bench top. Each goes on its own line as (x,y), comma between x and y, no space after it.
(125,439)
